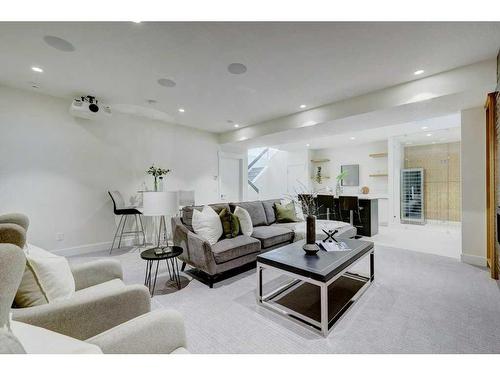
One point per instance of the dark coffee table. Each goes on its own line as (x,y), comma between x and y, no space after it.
(322,289)
(170,254)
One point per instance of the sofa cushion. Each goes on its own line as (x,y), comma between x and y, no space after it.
(273,235)
(37,340)
(269,209)
(345,230)
(232,248)
(187,213)
(255,209)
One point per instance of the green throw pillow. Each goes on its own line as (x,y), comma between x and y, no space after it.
(285,213)
(230,224)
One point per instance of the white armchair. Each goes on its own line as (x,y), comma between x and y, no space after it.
(155,332)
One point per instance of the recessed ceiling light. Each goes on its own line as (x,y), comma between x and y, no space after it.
(429,134)
(236,125)
(424,127)
(236,68)
(418,72)
(352,138)
(303,106)
(37,69)
(59,43)
(165,82)
(181,110)
(308,145)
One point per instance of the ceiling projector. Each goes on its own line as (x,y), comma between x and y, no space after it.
(88,107)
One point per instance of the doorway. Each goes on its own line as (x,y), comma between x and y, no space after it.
(230,177)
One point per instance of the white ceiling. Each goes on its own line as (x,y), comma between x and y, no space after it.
(442,129)
(288,63)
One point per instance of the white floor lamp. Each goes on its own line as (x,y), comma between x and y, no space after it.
(160,204)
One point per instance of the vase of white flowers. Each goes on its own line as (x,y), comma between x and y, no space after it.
(157,172)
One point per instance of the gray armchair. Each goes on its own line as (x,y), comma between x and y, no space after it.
(158,332)
(102,301)
(110,316)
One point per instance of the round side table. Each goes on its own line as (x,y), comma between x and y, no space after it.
(169,254)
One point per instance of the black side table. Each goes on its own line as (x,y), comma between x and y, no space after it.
(169,254)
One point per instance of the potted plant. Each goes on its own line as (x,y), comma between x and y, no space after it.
(340,177)
(157,172)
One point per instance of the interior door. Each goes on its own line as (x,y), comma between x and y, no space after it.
(491,183)
(230,170)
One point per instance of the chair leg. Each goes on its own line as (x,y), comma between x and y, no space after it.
(136,228)
(121,234)
(142,230)
(183,267)
(116,234)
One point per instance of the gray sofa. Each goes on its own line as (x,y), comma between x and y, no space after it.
(229,254)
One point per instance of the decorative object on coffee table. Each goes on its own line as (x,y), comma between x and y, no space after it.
(157,172)
(329,235)
(310,246)
(156,254)
(309,207)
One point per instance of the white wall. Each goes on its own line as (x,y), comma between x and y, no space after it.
(473,171)
(355,154)
(57,169)
(273,182)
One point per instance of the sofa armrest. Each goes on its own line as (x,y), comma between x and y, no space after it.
(197,251)
(88,314)
(159,332)
(96,272)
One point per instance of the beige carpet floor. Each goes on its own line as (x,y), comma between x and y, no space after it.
(419,303)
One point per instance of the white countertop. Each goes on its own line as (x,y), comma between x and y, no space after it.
(363,196)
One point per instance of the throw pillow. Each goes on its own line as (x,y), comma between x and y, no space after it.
(47,278)
(245,220)
(285,213)
(230,224)
(299,212)
(207,224)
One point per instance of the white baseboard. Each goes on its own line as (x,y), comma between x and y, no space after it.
(91,248)
(474,260)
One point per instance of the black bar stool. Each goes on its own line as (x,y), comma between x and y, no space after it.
(351,204)
(325,205)
(119,208)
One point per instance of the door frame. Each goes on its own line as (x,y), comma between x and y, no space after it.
(243,173)
(491,184)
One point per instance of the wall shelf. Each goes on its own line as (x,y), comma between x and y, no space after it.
(379,155)
(320,160)
(379,175)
